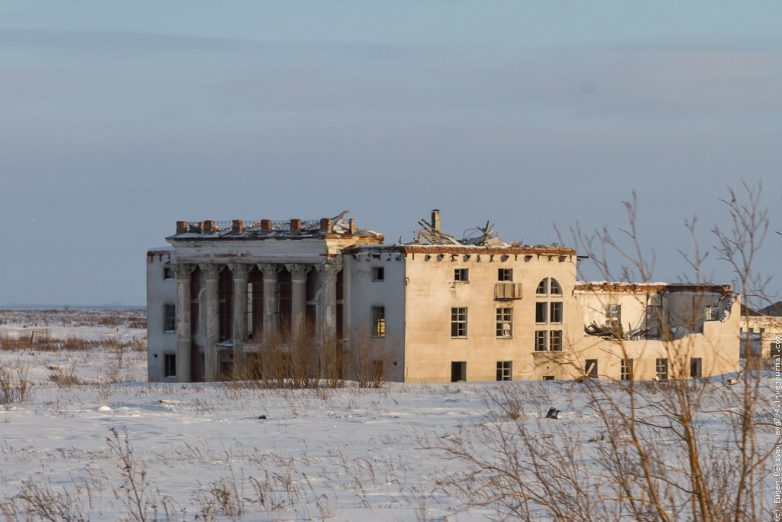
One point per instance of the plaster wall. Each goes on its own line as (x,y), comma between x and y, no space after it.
(160,291)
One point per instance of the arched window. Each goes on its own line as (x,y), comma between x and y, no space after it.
(548,337)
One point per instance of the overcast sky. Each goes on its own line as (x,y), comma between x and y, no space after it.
(118,118)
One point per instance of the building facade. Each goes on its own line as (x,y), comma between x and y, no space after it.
(228,297)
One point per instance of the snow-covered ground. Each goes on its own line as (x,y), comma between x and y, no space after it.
(231,451)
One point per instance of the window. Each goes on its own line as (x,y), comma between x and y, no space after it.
(169,318)
(556,313)
(378,273)
(549,286)
(614,316)
(661,369)
(590,368)
(169,365)
(168,272)
(458,371)
(461,274)
(626,370)
(712,313)
(378,321)
(696,367)
(505,274)
(548,377)
(459,322)
(541,312)
(555,341)
(541,339)
(504,370)
(504,322)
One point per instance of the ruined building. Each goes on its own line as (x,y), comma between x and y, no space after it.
(331,299)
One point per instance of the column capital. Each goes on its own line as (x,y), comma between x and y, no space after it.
(298,270)
(328,270)
(269,270)
(183,270)
(210,270)
(240,270)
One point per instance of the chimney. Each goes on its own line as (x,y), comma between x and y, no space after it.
(436,220)
(325,225)
(209,227)
(238,226)
(295,226)
(266,225)
(182,227)
(352,226)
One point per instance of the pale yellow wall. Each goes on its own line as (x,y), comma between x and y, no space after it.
(593,306)
(772,331)
(431,293)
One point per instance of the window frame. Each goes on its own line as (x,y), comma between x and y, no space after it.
(459,317)
(379,323)
(559,307)
(660,364)
(626,370)
(555,335)
(504,371)
(591,368)
(504,315)
(169,319)
(504,275)
(461,275)
(541,340)
(378,273)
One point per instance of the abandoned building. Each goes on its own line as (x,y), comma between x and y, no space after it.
(761,331)
(227,297)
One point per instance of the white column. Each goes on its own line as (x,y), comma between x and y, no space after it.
(327,318)
(269,272)
(298,302)
(183,337)
(239,272)
(211,277)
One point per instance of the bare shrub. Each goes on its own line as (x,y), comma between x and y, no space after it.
(132,493)
(64,379)
(14,385)
(42,503)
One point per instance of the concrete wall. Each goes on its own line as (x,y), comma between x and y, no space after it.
(362,294)
(160,291)
(432,292)
(768,329)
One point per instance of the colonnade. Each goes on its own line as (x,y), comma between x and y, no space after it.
(326,320)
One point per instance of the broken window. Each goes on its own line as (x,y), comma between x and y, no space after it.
(458,371)
(169,365)
(541,312)
(626,370)
(542,288)
(378,321)
(555,289)
(459,322)
(378,273)
(590,368)
(504,322)
(555,341)
(556,313)
(696,367)
(169,318)
(168,272)
(661,369)
(541,340)
(461,274)
(548,377)
(504,370)
(614,317)
(505,274)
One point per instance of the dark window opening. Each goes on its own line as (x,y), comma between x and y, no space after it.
(169,365)
(458,371)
